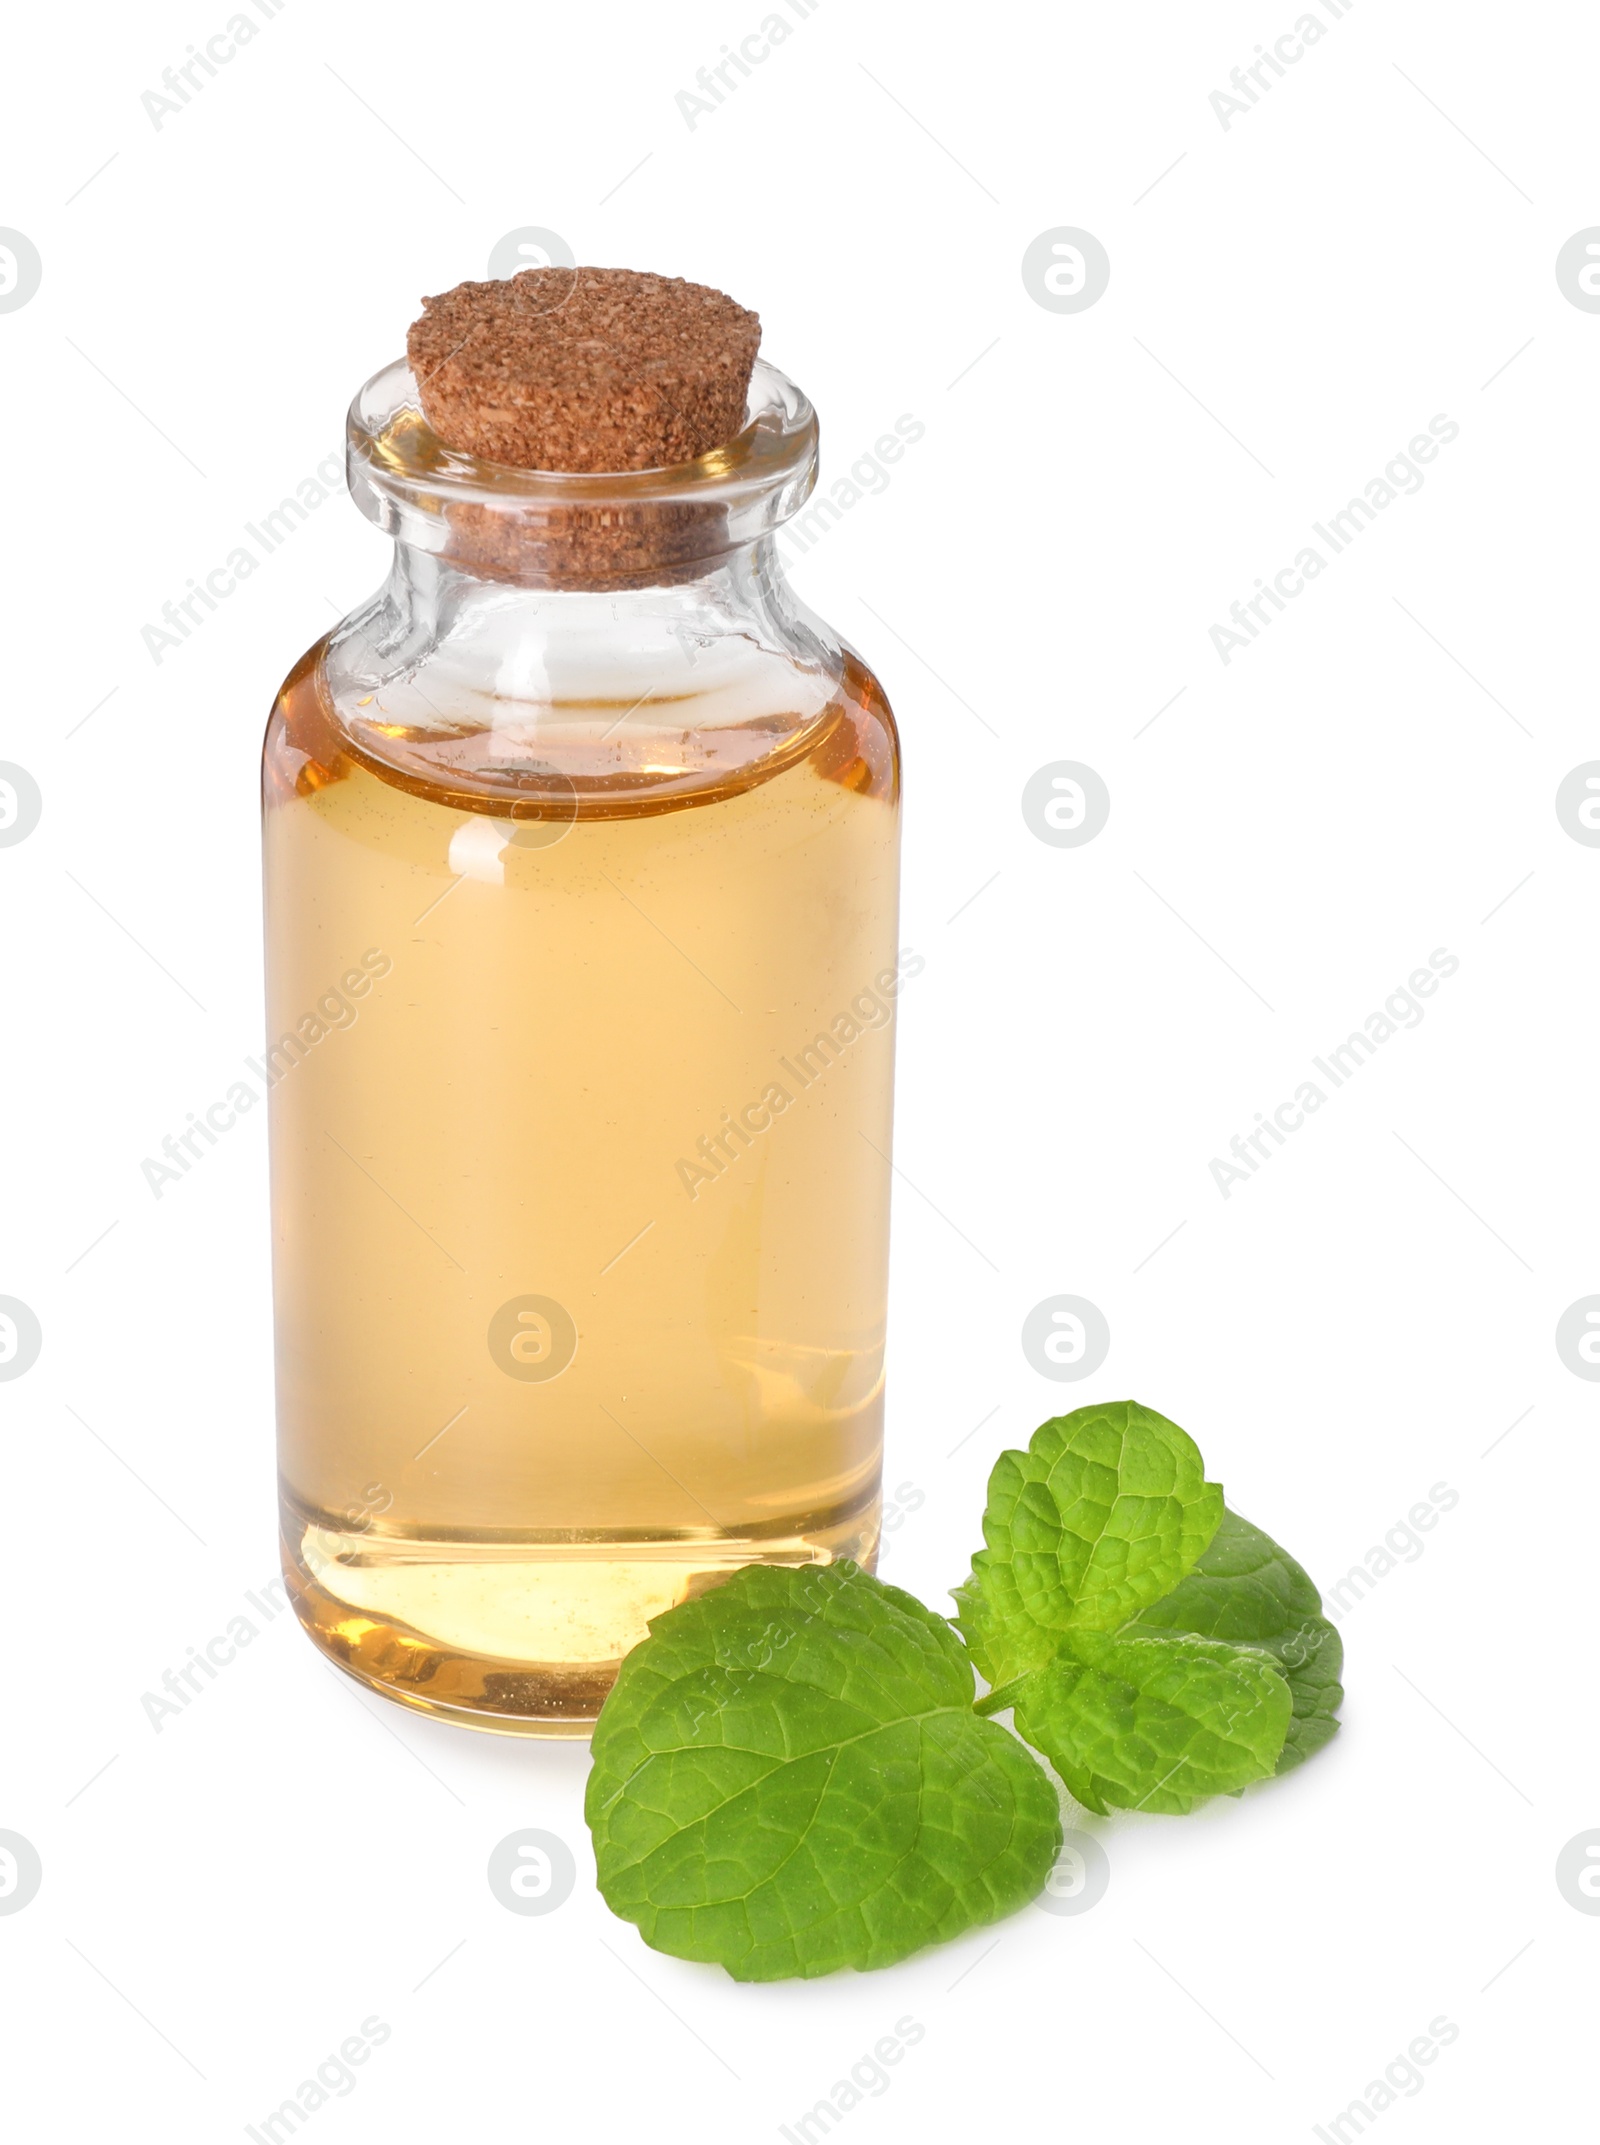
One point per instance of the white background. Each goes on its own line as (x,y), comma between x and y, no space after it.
(1370,1314)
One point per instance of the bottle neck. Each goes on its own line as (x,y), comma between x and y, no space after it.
(497,635)
(699,675)
(439,595)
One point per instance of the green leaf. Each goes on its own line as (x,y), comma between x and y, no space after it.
(789,1778)
(1154,1723)
(1245,1588)
(1102,1515)
(1155,1648)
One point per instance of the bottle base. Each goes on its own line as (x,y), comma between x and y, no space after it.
(517,1638)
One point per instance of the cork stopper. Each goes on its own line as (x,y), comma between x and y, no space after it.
(586,369)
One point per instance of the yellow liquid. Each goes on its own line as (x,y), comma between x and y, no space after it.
(580,1127)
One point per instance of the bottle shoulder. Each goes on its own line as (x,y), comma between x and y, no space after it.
(449,735)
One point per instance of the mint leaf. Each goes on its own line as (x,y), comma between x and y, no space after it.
(1148,1722)
(1154,1647)
(789,1778)
(1102,1515)
(1245,1588)
(791,1774)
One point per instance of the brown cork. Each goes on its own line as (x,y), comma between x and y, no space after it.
(584,369)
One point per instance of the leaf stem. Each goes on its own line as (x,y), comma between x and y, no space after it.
(1004,1696)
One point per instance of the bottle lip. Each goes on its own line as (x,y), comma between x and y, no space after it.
(406,479)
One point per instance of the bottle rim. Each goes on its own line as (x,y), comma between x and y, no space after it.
(410,483)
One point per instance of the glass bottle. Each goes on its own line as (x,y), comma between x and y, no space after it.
(581,852)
